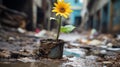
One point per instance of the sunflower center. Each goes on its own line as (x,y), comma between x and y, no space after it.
(62,10)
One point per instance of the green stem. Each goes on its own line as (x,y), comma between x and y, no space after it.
(59,26)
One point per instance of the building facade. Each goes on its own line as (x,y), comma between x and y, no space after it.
(104,15)
(37,11)
(75,17)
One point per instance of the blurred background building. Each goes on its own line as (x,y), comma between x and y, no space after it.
(104,15)
(76,6)
(39,11)
(36,10)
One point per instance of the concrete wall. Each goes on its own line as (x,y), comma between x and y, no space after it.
(45,5)
(22,6)
(76,7)
(116,16)
(110,14)
(98,5)
(0,1)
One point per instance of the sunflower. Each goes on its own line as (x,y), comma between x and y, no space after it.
(61,8)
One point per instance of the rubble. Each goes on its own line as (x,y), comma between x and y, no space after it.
(12,18)
(26,59)
(16,45)
(79,51)
(24,48)
(4,53)
(75,52)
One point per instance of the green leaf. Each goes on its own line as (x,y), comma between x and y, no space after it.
(67,28)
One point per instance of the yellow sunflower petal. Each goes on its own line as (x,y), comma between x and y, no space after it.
(53,10)
(58,0)
(65,16)
(61,8)
(67,13)
(68,4)
(56,4)
(57,14)
(62,0)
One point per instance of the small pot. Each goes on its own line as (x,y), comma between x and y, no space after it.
(51,48)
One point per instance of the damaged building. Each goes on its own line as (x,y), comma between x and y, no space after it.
(34,13)
(104,15)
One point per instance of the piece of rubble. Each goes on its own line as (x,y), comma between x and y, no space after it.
(17,54)
(26,59)
(4,53)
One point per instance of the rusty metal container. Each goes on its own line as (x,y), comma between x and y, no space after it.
(52,48)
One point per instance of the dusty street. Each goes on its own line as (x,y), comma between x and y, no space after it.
(19,50)
(59,33)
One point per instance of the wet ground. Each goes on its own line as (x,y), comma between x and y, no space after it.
(49,64)
(33,64)
(19,50)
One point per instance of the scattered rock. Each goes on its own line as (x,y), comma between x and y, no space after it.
(17,54)
(26,59)
(4,53)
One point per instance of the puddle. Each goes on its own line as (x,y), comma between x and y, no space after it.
(36,64)
(77,63)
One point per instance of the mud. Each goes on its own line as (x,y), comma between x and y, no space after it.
(22,50)
(16,45)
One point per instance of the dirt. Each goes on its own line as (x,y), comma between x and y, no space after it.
(21,50)
(16,45)
(48,44)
